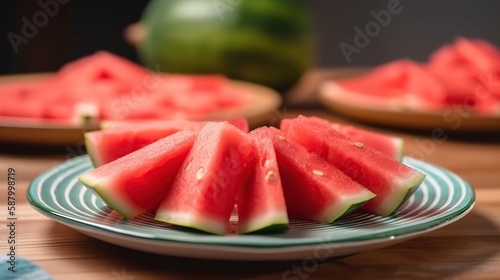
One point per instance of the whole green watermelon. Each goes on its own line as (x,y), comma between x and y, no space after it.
(269,42)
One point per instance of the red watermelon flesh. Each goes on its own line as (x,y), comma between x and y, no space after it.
(392,181)
(384,81)
(133,135)
(137,182)
(314,189)
(193,103)
(240,123)
(175,97)
(119,89)
(100,67)
(391,146)
(453,72)
(482,57)
(454,75)
(25,109)
(204,193)
(193,95)
(491,86)
(261,203)
(107,146)
(463,68)
(211,83)
(423,90)
(387,80)
(19,90)
(26,100)
(399,83)
(487,103)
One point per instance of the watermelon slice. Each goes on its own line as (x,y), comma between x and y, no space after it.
(395,85)
(482,56)
(129,136)
(175,97)
(261,203)
(392,181)
(24,99)
(102,66)
(104,86)
(461,66)
(137,182)
(391,146)
(204,193)
(314,189)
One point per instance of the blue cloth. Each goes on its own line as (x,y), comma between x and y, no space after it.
(20,269)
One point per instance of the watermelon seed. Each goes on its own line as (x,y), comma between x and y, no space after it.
(200,173)
(270,176)
(359,144)
(281,137)
(267,163)
(317,172)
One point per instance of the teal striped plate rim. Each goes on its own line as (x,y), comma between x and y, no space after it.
(442,198)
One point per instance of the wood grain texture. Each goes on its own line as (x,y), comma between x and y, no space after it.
(466,249)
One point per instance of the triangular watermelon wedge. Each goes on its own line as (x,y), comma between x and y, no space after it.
(261,203)
(102,66)
(204,193)
(120,138)
(392,181)
(314,189)
(391,146)
(137,182)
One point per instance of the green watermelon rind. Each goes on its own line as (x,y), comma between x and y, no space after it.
(272,222)
(402,191)
(110,198)
(345,205)
(199,221)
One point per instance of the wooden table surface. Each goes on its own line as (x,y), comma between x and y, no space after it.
(466,249)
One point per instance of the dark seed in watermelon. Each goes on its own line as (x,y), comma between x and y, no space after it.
(137,182)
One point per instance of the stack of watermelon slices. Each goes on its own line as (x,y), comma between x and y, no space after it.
(104,86)
(465,73)
(197,177)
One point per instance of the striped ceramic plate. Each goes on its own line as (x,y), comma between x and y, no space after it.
(442,198)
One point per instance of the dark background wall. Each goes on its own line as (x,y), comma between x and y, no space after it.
(80,27)
(421,27)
